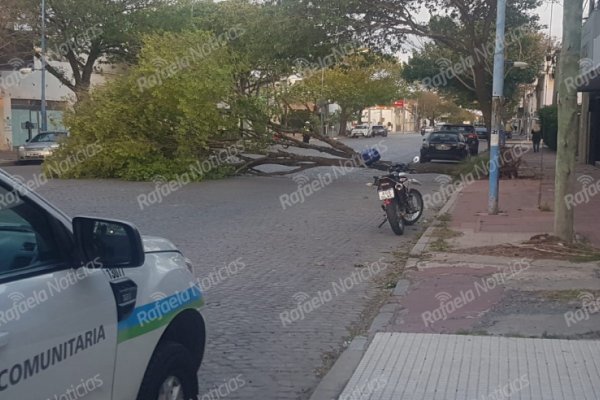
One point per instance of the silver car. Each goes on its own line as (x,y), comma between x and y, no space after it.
(41,146)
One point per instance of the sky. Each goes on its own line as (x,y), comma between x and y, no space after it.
(546,16)
(550,13)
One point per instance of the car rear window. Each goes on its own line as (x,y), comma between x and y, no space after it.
(458,128)
(443,137)
(361,127)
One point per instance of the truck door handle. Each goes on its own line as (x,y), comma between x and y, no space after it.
(3,339)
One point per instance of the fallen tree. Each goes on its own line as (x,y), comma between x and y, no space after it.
(157,124)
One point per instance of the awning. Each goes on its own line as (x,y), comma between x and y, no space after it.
(590,82)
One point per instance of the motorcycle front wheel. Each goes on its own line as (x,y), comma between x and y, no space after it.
(416,203)
(394,218)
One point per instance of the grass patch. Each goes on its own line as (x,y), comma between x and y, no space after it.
(439,245)
(447,217)
(466,332)
(564,296)
(445,233)
(442,234)
(587,253)
(468,166)
(455,170)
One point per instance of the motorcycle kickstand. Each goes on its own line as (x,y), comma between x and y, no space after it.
(383,223)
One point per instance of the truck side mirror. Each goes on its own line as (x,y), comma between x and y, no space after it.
(110,243)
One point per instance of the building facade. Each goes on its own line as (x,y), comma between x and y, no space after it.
(20,104)
(542,93)
(396,119)
(589,84)
(20,101)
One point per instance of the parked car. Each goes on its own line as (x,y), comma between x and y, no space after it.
(88,306)
(362,130)
(379,130)
(41,146)
(482,132)
(444,145)
(468,131)
(426,130)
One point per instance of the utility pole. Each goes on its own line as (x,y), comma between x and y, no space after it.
(567,119)
(497,100)
(43,58)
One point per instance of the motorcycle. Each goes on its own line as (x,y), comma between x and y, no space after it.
(403,205)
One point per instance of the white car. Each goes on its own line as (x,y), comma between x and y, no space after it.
(89,309)
(361,131)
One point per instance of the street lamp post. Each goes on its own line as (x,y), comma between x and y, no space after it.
(43,58)
(497,99)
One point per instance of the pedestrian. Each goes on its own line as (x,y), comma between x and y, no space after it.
(307,131)
(536,138)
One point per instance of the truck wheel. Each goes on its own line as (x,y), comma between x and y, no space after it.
(171,375)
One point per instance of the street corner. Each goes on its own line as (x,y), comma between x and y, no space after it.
(448,299)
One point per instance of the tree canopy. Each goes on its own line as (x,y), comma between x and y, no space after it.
(340,52)
(87,33)
(456,30)
(170,110)
(155,121)
(358,81)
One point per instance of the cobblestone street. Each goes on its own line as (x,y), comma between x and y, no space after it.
(290,255)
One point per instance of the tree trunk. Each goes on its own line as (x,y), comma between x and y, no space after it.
(343,123)
(567,120)
(484,98)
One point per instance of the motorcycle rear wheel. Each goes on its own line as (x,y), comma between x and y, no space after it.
(394,218)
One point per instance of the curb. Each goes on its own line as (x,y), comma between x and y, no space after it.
(7,163)
(334,382)
(423,242)
(338,376)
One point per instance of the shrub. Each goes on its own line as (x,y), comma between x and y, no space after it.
(549,123)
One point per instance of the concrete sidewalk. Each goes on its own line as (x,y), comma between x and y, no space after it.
(513,312)
(526,206)
(409,366)
(8,157)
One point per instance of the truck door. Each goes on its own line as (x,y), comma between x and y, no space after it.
(57,324)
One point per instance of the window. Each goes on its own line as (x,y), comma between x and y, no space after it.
(444,137)
(459,128)
(48,137)
(26,235)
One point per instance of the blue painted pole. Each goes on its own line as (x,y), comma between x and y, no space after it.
(43,113)
(497,100)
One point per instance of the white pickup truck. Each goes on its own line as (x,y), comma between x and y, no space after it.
(90,309)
